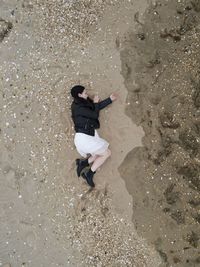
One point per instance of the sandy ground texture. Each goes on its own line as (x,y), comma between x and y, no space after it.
(48,217)
(160,65)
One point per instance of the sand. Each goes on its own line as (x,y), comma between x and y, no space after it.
(160,65)
(48,216)
(144,210)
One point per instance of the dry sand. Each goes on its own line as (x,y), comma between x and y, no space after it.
(48,216)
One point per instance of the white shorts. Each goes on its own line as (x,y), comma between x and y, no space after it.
(87,144)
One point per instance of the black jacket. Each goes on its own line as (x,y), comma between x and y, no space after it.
(85,114)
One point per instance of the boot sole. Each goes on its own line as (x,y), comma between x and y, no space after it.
(77,165)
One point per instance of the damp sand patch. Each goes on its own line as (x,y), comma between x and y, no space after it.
(160,66)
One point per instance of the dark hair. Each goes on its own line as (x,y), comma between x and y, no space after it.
(77,89)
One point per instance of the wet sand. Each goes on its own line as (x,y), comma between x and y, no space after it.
(48,216)
(160,65)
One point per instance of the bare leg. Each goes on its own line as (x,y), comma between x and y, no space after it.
(92,158)
(100,160)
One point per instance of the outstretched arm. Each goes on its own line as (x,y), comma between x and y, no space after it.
(104,103)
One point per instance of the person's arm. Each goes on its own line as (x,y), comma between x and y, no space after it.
(104,103)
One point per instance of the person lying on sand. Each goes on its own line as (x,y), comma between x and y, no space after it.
(93,148)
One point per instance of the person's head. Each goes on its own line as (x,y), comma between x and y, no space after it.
(79,91)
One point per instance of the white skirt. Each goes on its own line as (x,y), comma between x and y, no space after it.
(87,144)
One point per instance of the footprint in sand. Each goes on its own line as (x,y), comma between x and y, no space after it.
(67,124)
(30,238)
(29,235)
(93,196)
(9,175)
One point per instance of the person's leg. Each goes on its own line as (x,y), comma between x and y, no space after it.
(80,165)
(92,158)
(100,160)
(83,163)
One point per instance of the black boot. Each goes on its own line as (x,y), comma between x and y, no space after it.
(81,164)
(88,176)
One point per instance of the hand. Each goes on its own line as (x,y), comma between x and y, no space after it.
(96,99)
(113,96)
